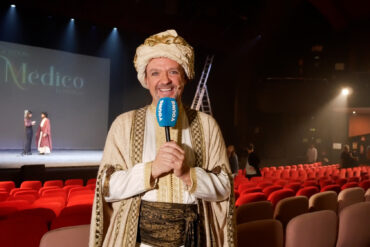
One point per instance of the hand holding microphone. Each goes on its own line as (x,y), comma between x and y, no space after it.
(170,156)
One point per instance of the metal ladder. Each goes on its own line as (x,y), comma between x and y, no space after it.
(201,99)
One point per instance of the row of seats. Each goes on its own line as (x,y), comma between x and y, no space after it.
(275,189)
(295,220)
(32,210)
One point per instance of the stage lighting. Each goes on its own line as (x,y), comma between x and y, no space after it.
(115,29)
(72,19)
(12,5)
(345,91)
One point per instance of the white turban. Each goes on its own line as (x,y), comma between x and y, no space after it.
(165,44)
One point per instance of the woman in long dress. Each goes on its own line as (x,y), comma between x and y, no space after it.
(43,136)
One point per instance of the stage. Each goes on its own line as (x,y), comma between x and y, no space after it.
(58,158)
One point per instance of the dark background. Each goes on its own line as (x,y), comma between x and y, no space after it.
(273,77)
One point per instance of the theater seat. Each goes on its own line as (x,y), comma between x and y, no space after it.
(367,195)
(307,191)
(91,181)
(278,195)
(260,233)
(316,229)
(288,208)
(251,197)
(365,184)
(332,187)
(269,189)
(7,185)
(349,185)
(72,216)
(254,211)
(57,183)
(350,196)
(354,225)
(35,185)
(327,200)
(73,236)
(22,230)
(76,181)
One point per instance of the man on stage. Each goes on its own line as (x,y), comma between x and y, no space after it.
(43,135)
(150,192)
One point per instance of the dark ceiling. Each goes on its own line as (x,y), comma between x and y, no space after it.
(213,24)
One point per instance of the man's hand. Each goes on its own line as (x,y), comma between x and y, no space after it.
(171,157)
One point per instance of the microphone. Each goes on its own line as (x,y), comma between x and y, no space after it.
(167,112)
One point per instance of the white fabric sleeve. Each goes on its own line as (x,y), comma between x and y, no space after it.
(209,186)
(128,183)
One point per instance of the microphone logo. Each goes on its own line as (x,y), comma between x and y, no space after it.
(167,112)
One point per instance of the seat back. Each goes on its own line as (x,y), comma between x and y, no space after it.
(307,191)
(254,211)
(260,233)
(327,200)
(288,208)
(58,183)
(316,229)
(350,196)
(73,236)
(278,195)
(75,181)
(354,225)
(367,195)
(35,185)
(251,197)
(332,187)
(8,185)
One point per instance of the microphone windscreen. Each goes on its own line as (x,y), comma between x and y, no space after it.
(167,112)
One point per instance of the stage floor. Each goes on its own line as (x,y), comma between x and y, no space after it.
(58,158)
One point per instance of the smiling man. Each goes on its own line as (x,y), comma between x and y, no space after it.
(156,193)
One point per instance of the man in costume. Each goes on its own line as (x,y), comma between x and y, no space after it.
(150,192)
(43,135)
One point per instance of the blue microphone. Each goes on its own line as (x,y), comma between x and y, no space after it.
(167,112)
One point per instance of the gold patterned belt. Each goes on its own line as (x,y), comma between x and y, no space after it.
(168,224)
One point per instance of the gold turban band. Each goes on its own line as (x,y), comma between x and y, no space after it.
(165,44)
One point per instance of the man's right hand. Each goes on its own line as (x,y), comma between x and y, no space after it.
(168,154)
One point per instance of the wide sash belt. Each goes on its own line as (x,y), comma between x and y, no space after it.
(168,224)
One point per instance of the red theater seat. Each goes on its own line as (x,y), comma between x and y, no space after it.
(349,185)
(341,181)
(365,184)
(293,186)
(332,187)
(264,184)
(35,185)
(276,196)
(252,190)
(72,216)
(91,181)
(308,183)
(74,182)
(308,191)
(251,197)
(8,185)
(57,183)
(245,185)
(3,196)
(269,189)
(25,229)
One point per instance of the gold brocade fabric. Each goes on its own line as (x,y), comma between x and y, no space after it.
(170,187)
(168,224)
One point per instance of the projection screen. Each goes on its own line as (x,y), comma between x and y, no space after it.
(72,88)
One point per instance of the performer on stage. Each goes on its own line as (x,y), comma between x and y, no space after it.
(43,135)
(151,192)
(28,123)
